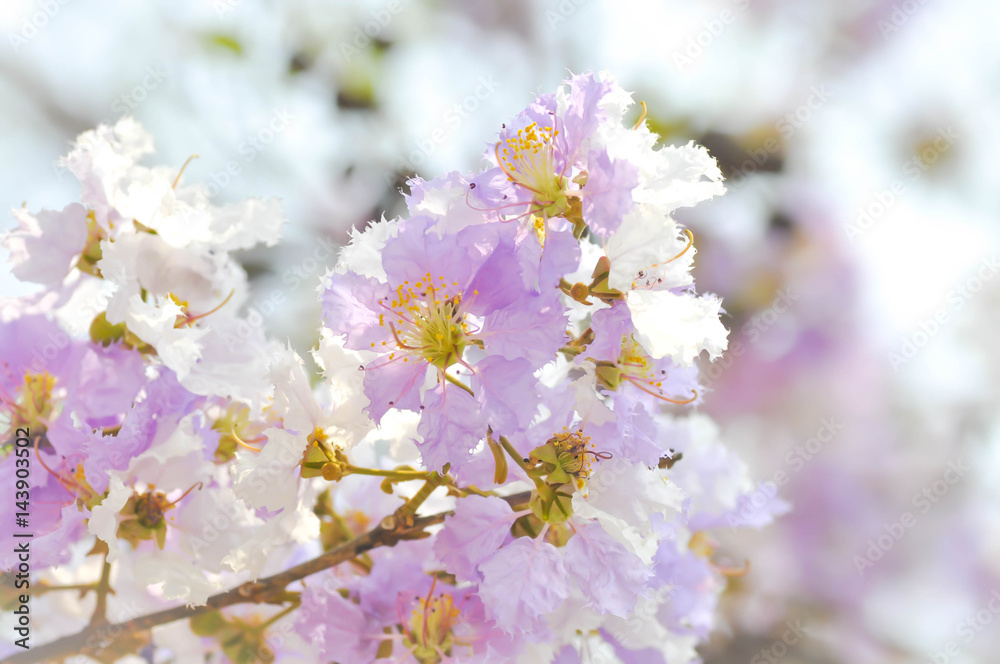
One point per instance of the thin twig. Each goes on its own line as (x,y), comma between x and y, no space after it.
(103,586)
(95,638)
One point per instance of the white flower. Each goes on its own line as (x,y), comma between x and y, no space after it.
(101,158)
(669,177)
(180,578)
(270,477)
(680,326)
(648,248)
(153,322)
(235,356)
(622,496)
(363,254)
(103,522)
(183,216)
(174,463)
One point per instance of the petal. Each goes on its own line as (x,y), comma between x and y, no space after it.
(472,534)
(680,326)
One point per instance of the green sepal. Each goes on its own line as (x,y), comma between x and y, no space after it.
(160,533)
(313,462)
(104,333)
(556,507)
(559,476)
(608,375)
(207,624)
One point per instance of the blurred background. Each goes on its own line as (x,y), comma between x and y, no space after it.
(856,249)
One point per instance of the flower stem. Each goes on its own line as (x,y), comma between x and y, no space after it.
(519,460)
(404,515)
(278,616)
(103,587)
(397,475)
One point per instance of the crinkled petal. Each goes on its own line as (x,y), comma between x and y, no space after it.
(680,326)
(472,534)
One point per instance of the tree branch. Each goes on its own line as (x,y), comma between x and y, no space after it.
(95,638)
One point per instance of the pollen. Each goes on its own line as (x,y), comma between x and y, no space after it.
(528,158)
(575,453)
(429,632)
(32,406)
(635,366)
(538,223)
(426,322)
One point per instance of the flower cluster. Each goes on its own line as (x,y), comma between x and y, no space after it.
(498,450)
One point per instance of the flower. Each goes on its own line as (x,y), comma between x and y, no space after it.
(522,582)
(477,529)
(497,363)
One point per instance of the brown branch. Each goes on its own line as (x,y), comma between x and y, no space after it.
(103,587)
(95,638)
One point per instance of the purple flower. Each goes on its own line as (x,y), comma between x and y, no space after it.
(620,359)
(691,580)
(522,582)
(55,521)
(419,320)
(445,297)
(338,628)
(107,381)
(507,391)
(607,196)
(451,427)
(631,655)
(164,403)
(396,571)
(472,534)
(610,575)
(567,655)
(549,172)
(44,246)
(583,108)
(35,345)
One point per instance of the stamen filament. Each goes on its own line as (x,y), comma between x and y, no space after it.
(181,172)
(191,319)
(239,441)
(642,387)
(642,117)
